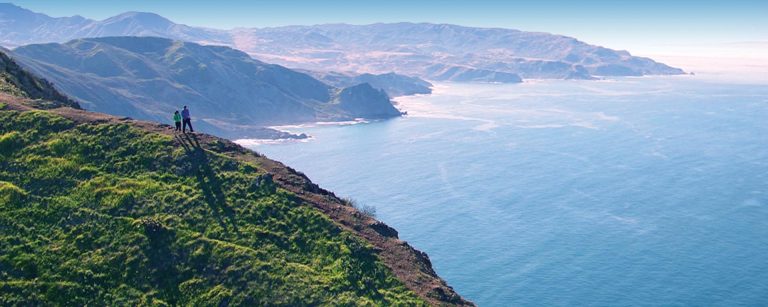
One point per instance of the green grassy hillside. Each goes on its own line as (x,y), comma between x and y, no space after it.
(100,210)
(108,213)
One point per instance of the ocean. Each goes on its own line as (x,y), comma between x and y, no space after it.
(633,191)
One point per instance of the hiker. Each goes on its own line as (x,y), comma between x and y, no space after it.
(177,120)
(187,120)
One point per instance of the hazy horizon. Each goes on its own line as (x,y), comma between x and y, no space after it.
(647,21)
(695,36)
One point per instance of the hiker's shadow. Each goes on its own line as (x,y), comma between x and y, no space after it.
(209,183)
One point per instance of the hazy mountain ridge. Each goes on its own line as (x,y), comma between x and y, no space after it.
(413,48)
(479,54)
(22,27)
(231,93)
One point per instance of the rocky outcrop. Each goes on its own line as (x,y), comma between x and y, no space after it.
(364,101)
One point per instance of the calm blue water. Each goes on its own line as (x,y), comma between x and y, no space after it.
(646,191)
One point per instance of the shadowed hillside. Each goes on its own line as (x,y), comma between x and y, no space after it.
(229,93)
(18,82)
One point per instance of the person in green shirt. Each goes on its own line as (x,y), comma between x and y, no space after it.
(177,120)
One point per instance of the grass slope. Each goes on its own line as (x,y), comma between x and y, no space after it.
(110,214)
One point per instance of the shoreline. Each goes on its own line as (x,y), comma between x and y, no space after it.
(301,137)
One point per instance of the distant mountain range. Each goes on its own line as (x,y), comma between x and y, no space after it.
(431,51)
(19,26)
(229,92)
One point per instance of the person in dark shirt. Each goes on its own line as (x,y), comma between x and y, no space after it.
(187,120)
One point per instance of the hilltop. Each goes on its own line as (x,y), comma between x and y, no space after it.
(105,210)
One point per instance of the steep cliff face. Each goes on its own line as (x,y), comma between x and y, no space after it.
(18,82)
(102,210)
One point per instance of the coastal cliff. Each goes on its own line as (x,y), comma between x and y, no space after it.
(100,209)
